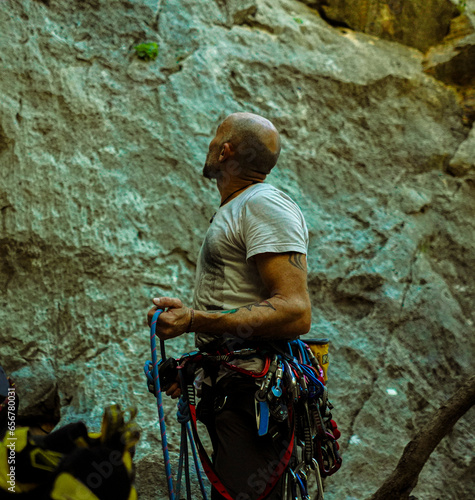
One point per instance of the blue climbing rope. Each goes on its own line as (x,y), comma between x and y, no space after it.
(197,462)
(158,395)
(183,417)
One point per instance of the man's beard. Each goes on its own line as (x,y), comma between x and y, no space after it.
(209,170)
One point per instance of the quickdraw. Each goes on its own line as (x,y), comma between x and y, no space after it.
(290,387)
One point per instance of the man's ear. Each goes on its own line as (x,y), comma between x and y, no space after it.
(226,152)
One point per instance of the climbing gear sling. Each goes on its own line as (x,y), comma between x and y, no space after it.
(290,388)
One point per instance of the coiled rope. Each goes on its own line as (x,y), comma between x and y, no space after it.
(158,395)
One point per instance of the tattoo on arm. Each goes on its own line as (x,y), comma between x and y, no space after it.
(264,303)
(296,260)
(229,311)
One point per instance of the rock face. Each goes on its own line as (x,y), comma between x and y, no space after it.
(453,60)
(103,207)
(40,402)
(414,23)
(463,162)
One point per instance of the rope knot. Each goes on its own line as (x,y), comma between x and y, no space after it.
(183,412)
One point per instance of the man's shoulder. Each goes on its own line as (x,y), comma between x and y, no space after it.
(265,195)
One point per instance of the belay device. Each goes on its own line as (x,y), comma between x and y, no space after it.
(291,388)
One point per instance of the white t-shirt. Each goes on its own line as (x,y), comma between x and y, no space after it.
(261,219)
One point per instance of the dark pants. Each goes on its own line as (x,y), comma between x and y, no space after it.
(244,461)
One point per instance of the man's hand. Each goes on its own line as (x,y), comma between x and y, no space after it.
(174,319)
(174,390)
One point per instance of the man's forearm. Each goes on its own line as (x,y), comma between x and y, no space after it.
(276,317)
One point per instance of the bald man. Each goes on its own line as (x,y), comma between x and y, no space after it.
(251,288)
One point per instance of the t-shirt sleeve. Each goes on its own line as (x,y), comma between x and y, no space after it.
(272,222)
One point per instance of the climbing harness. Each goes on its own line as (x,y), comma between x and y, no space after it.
(289,389)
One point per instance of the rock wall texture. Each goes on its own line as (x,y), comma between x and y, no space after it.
(103,206)
(417,24)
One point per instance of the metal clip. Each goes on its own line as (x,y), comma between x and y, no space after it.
(292,383)
(276,389)
(261,393)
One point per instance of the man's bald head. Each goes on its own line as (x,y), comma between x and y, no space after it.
(254,139)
